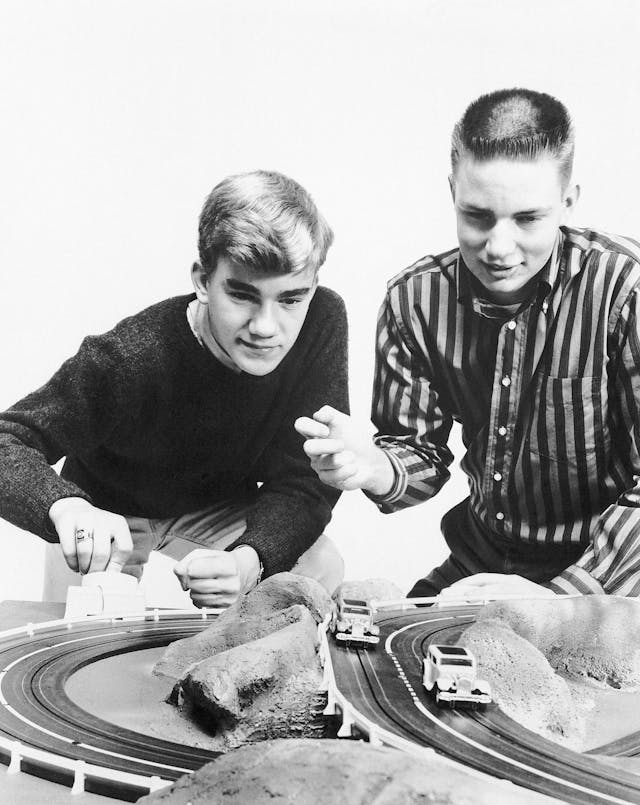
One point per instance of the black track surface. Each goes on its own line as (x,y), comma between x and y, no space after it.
(33,684)
(486,740)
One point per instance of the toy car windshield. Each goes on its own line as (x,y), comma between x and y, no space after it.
(356,610)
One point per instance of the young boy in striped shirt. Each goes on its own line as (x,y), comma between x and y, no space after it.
(528,334)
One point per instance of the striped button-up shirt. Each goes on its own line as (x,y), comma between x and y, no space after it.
(548,399)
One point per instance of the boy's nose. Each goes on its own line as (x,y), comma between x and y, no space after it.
(263,323)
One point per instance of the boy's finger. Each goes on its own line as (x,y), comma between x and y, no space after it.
(311,429)
(320,447)
(327,415)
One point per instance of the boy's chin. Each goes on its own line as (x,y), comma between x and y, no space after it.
(259,368)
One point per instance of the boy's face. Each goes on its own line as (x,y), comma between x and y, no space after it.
(508,212)
(254,318)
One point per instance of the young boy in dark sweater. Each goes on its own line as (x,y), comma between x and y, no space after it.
(177,425)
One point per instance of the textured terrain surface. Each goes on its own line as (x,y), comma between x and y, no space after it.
(369,590)
(535,653)
(254,674)
(279,601)
(267,688)
(327,772)
(593,637)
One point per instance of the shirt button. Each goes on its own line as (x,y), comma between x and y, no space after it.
(499,515)
(506,381)
(497,476)
(502,431)
(512,325)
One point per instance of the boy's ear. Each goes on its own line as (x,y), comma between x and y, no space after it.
(199,279)
(452,187)
(570,200)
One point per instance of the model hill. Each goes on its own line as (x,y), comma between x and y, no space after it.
(532,651)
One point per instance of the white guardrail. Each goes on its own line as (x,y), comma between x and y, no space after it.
(80,769)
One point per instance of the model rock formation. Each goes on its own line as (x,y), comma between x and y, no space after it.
(369,590)
(532,653)
(279,601)
(326,772)
(593,637)
(255,673)
(268,688)
(523,683)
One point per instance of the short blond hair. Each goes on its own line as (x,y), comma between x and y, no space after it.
(264,220)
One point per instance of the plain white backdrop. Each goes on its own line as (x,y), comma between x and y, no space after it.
(118,117)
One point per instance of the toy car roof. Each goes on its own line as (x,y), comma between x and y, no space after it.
(450,651)
(353,602)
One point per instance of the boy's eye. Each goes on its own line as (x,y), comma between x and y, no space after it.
(478,217)
(528,219)
(291,301)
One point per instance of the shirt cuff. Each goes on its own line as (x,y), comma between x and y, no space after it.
(399,486)
(576,579)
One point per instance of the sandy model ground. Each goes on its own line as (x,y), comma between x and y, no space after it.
(325,772)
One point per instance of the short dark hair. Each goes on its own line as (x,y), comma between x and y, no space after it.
(515,124)
(265,221)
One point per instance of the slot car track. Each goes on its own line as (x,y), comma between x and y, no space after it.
(39,723)
(386,687)
(38,714)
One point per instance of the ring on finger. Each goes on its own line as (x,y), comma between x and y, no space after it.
(81,534)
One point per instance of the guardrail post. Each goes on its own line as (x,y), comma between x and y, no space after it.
(347,723)
(330,709)
(16,757)
(156,783)
(78,778)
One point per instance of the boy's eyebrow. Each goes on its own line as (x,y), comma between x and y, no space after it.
(247,287)
(532,211)
(296,291)
(237,285)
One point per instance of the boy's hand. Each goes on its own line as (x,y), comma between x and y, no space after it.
(91,539)
(343,454)
(218,578)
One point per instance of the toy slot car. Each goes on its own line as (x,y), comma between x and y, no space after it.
(353,624)
(450,673)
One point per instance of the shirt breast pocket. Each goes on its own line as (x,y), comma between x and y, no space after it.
(568,423)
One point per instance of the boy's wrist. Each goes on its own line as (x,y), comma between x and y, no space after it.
(249,567)
(63,505)
(382,474)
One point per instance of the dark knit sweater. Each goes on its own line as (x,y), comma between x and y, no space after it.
(152,424)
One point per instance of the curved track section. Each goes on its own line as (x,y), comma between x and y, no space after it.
(43,732)
(383,690)
(378,693)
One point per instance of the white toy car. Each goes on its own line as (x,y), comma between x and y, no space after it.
(353,624)
(450,673)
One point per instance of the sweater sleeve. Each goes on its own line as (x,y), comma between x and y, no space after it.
(293,505)
(70,414)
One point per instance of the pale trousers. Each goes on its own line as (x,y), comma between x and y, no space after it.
(216,527)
